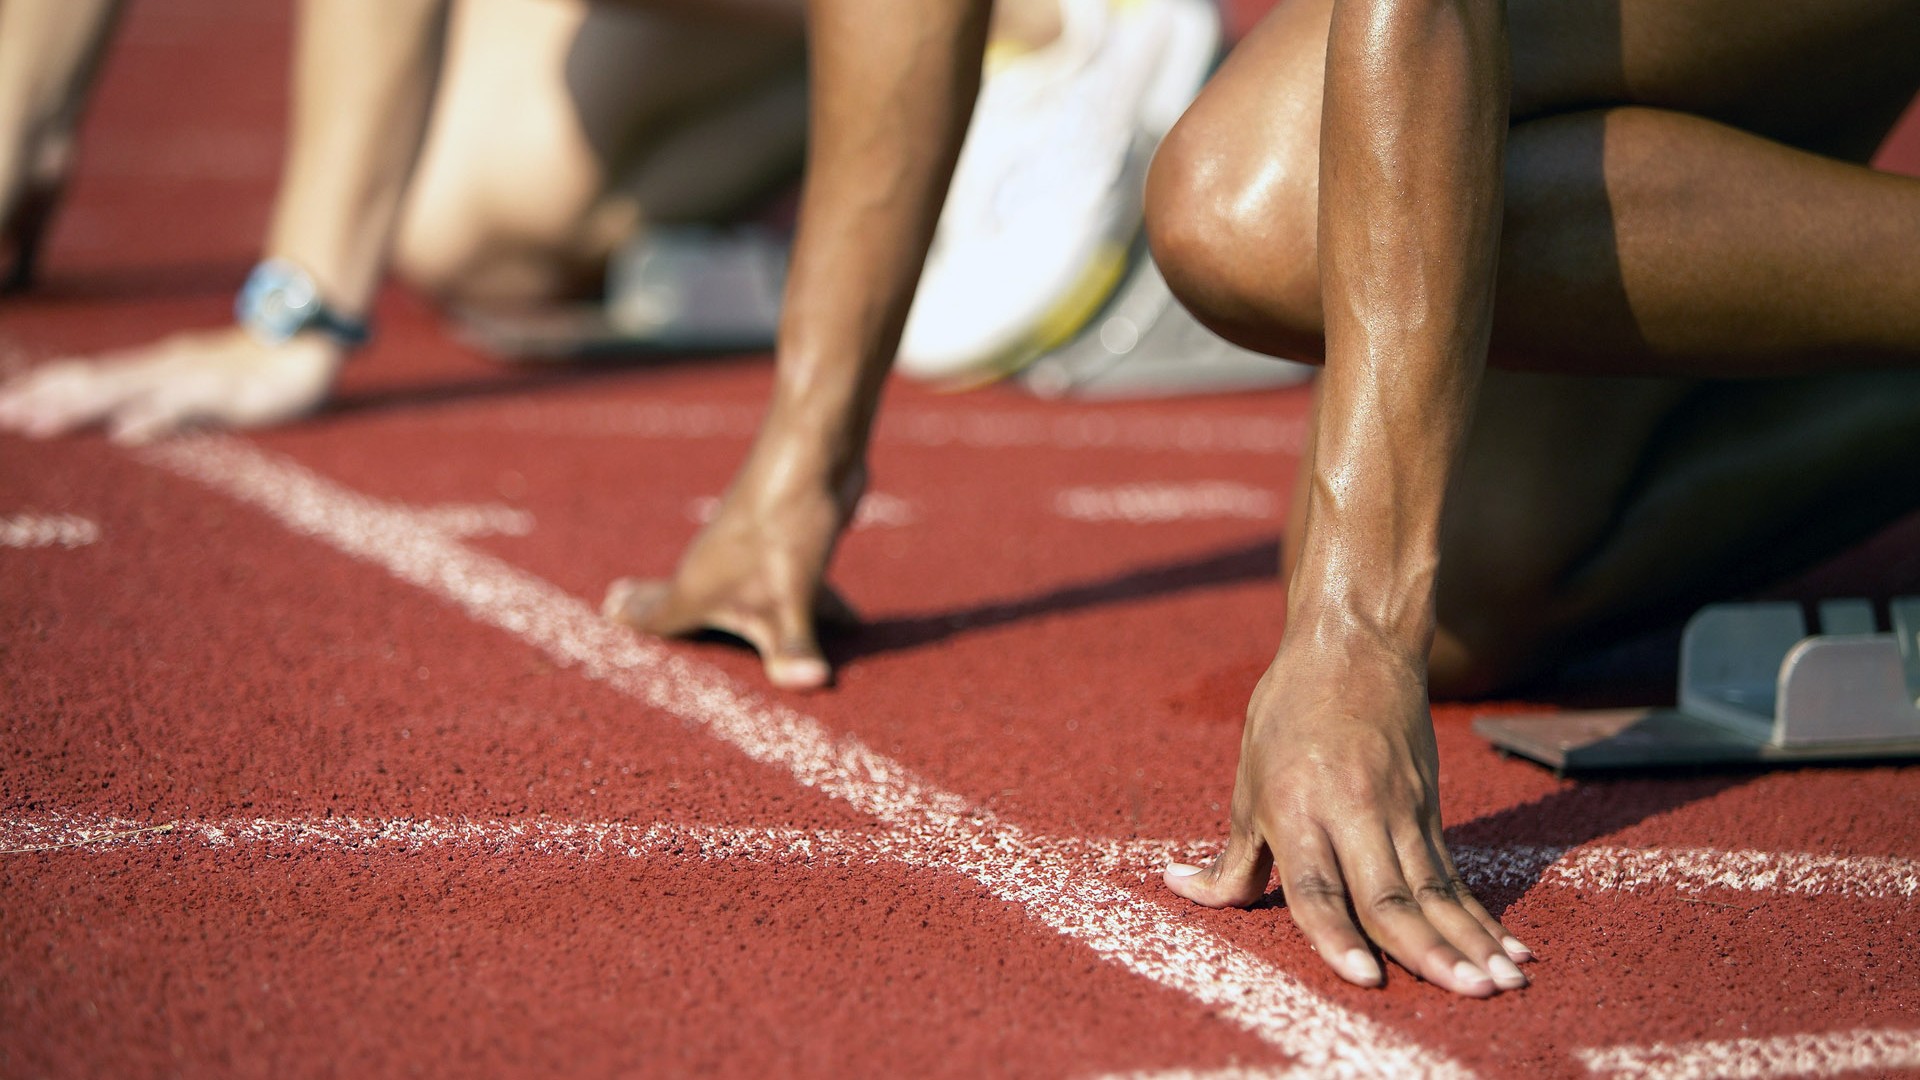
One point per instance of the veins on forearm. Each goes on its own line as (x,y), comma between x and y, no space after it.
(1412,139)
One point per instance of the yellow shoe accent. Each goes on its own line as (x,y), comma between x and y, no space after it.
(1068,316)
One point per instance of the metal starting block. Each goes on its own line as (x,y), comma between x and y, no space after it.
(1757,685)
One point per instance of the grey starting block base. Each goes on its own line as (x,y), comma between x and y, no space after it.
(676,290)
(1757,686)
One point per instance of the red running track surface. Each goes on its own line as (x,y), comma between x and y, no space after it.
(410,808)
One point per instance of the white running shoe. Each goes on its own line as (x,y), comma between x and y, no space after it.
(1046,199)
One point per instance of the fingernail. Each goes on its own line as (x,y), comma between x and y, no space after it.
(616,602)
(799,674)
(1515,949)
(1505,974)
(1469,975)
(1360,966)
(1181,870)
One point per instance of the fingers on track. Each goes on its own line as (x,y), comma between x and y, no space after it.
(1237,878)
(788,649)
(1407,905)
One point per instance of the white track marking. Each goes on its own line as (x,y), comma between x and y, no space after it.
(1587,868)
(877,509)
(926,826)
(512,837)
(972,428)
(1836,1053)
(47,530)
(1692,870)
(476,519)
(1229,1073)
(1149,504)
(1600,867)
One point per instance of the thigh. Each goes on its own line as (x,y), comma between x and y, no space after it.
(1587,508)
(1830,76)
(1796,70)
(1548,463)
(544,104)
(1233,198)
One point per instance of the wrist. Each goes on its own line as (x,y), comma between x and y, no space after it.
(1378,618)
(822,427)
(281,301)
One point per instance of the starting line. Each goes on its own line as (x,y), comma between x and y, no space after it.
(1599,867)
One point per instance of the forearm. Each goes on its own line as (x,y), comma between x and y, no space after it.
(49,52)
(364,77)
(1412,140)
(893,87)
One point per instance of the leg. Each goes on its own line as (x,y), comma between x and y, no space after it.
(1644,232)
(1591,507)
(551,121)
(49,52)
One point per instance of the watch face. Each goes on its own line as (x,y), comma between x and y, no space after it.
(278,301)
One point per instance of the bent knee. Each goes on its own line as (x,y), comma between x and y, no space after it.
(1234,237)
(460,266)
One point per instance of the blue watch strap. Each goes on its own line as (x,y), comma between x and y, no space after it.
(280,301)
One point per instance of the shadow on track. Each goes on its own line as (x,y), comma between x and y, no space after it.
(1249,562)
(510,380)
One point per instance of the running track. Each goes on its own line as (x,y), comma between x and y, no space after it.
(318,762)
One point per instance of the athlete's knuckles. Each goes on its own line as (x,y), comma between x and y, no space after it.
(1392,901)
(1315,886)
(1433,891)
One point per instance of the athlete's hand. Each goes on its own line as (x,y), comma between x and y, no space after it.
(757,571)
(1338,790)
(222,378)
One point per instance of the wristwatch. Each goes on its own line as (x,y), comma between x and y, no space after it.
(280,301)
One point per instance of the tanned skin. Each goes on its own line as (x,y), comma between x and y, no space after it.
(49,53)
(364,72)
(1339,776)
(1338,779)
(876,176)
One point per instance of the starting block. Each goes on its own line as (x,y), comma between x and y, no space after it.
(1757,686)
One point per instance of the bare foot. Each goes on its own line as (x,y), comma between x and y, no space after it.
(756,572)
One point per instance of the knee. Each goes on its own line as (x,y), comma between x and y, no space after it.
(1234,237)
(454,263)
(435,262)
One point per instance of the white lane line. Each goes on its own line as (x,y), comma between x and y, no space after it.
(877,510)
(1152,504)
(971,428)
(1227,1073)
(47,530)
(928,826)
(1602,868)
(1588,868)
(1691,870)
(1836,1053)
(467,520)
(508,837)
